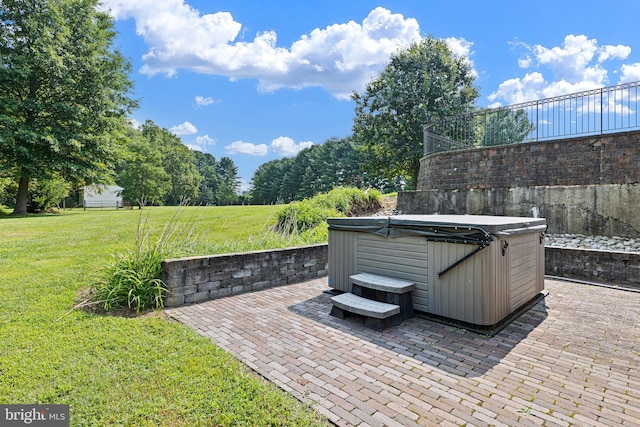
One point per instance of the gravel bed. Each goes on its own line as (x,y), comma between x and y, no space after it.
(615,243)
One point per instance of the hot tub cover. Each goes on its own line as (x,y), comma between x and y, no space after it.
(478,229)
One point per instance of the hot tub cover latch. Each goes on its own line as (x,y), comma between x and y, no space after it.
(504,248)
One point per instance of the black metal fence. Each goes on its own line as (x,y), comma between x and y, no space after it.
(593,112)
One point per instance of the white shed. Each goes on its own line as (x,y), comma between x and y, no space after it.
(101,196)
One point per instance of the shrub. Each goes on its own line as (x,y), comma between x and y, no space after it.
(298,217)
(47,193)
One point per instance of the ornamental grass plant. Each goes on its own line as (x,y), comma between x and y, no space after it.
(133,279)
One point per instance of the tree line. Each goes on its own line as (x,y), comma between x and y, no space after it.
(158,168)
(317,169)
(154,167)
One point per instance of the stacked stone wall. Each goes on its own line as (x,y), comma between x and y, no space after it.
(610,267)
(197,279)
(594,160)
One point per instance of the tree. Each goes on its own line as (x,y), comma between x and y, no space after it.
(47,193)
(179,162)
(422,83)
(141,172)
(268,179)
(504,126)
(206,165)
(228,184)
(64,92)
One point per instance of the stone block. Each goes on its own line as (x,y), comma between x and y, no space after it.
(240,289)
(174,300)
(258,286)
(219,275)
(237,274)
(184,290)
(310,262)
(196,297)
(208,286)
(220,293)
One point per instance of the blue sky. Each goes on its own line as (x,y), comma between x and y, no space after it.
(257,81)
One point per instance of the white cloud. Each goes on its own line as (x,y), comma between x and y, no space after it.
(524,62)
(518,90)
(240,147)
(205,140)
(340,58)
(630,73)
(185,128)
(613,52)
(285,146)
(201,142)
(202,101)
(576,65)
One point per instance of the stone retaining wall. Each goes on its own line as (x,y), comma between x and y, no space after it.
(590,160)
(609,267)
(202,278)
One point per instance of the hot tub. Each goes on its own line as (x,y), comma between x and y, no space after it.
(469,268)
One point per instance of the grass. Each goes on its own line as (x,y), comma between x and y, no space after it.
(121,371)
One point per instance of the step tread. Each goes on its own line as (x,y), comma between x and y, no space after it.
(382,283)
(364,306)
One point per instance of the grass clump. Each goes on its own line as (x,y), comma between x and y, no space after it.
(309,216)
(133,280)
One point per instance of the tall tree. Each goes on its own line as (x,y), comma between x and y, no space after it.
(141,172)
(64,91)
(422,83)
(206,165)
(178,161)
(268,179)
(229,183)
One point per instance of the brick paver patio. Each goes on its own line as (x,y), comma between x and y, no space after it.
(573,359)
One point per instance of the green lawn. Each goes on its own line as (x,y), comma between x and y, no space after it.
(116,370)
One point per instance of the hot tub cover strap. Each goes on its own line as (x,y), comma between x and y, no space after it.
(469,235)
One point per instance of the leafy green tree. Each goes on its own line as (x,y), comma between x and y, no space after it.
(47,193)
(64,92)
(206,165)
(504,126)
(178,161)
(8,187)
(141,173)
(421,84)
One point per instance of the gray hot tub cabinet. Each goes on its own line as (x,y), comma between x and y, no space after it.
(469,268)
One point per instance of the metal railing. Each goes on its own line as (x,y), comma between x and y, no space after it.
(592,112)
